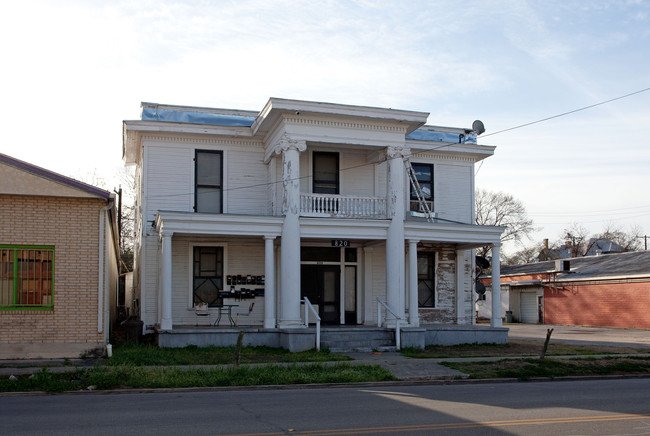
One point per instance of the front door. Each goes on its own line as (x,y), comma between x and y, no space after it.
(322,285)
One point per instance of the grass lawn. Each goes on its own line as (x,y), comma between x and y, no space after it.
(151,355)
(516,347)
(524,369)
(125,376)
(148,366)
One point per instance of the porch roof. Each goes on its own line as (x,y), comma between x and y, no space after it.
(465,236)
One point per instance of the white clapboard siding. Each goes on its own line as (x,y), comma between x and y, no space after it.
(245,185)
(378,283)
(357,177)
(168,183)
(381,178)
(149,285)
(453,192)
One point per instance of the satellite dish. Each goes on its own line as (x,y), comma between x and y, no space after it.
(482,262)
(478,127)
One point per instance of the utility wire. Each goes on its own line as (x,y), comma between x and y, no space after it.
(568,113)
(426,150)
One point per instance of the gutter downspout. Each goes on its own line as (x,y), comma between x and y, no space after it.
(101,285)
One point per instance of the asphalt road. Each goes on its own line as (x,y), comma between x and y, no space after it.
(594,407)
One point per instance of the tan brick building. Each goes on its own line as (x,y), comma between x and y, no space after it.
(58,263)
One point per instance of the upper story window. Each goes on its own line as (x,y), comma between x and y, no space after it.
(208,192)
(424,174)
(326,172)
(26,274)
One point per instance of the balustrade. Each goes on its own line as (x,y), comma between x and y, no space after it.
(321,205)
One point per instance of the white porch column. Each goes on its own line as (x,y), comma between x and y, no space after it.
(414,318)
(290,242)
(166,281)
(395,258)
(269,282)
(496,287)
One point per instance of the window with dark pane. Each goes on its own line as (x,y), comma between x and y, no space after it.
(208,275)
(426,279)
(424,176)
(326,173)
(208,181)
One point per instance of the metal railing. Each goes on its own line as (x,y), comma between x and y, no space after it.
(398,321)
(309,307)
(342,206)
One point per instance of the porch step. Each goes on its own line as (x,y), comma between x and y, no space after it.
(346,339)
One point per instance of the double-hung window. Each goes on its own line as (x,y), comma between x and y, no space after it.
(326,173)
(26,277)
(424,175)
(208,189)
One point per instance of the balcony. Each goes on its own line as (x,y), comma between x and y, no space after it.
(338,206)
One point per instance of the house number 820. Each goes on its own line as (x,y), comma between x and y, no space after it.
(340,243)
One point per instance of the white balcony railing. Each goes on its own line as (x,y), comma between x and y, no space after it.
(328,205)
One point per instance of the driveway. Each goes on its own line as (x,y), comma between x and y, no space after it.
(582,334)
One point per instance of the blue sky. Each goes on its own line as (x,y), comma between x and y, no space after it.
(73,70)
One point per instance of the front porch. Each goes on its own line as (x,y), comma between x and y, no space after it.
(335,338)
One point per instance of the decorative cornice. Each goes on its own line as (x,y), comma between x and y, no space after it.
(341,124)
(224,142)
(440,156)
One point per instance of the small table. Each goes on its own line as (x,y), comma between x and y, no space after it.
(227,309)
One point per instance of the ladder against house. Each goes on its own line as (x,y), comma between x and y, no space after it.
(424,208)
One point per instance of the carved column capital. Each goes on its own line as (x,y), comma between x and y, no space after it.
(288,143)
(394,152)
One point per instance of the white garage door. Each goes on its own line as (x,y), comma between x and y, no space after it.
(529,307)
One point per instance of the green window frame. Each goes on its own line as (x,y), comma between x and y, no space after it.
(26,277)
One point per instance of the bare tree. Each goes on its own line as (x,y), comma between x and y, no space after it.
(576,238)
(501,209)
(630,240)
(523,256)
(576,241)
(124,184)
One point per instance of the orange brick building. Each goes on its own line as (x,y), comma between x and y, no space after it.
(607,290)
(58,263)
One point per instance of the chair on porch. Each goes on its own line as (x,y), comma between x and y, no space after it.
(201,310)
(250,310)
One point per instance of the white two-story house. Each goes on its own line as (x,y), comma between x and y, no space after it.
(304,199)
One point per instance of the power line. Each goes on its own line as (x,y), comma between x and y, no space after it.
(426,150)
(568,113)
